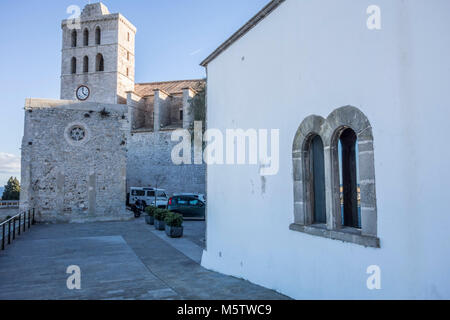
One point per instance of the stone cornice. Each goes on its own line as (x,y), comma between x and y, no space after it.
(113,16)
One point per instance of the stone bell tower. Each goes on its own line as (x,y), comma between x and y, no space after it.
(97,56)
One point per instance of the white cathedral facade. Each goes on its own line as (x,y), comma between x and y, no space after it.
(374,79)
(81,154)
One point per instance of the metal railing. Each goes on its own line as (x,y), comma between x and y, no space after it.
(9,204)
(23,220)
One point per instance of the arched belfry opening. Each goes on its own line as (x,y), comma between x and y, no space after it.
(99,63)
(74,38)
(73,65)
(86,37)
(98,36)
(86,64)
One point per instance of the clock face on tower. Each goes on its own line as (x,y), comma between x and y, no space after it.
(83,93)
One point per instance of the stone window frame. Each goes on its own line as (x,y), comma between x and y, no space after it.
(329,130)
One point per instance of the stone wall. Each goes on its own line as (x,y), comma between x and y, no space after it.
(176,104)
(149,116)
(149,160)
(137,110)
(68,180)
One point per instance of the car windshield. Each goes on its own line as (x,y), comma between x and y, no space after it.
(161,194)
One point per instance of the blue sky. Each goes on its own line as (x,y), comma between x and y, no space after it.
(173,37)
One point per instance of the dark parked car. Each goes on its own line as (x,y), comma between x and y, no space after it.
(188,206)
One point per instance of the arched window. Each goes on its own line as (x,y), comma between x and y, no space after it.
(99,63)
(317,181)
(309,173)
(86,64)
(98,36)
(74,38)
(86,37)
(348,178)
(73,67)
(334,178)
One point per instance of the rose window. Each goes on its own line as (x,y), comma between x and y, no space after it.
(77,133)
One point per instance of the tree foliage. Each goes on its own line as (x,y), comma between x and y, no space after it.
(12,190)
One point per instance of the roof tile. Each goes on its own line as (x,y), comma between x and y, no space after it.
(170,87)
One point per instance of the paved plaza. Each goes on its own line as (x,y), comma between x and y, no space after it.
(118,260)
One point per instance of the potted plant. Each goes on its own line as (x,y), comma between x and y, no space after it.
(159,216)
(174,225)
(149,217)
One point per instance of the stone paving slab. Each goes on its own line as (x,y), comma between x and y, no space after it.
(184,245)
(118,260)
(39,266)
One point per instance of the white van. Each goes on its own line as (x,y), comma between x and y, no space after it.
(143,197)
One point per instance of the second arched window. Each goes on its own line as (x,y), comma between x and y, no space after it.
(317,181)
(348,177)
(98,36)
(73,65)
(99,63)
(86,64)
(74,37)
(86,37)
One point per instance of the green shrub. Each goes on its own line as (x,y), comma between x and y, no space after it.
(173,219)
(160,214)
(150,210)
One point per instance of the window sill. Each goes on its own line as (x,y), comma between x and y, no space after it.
(345,234)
